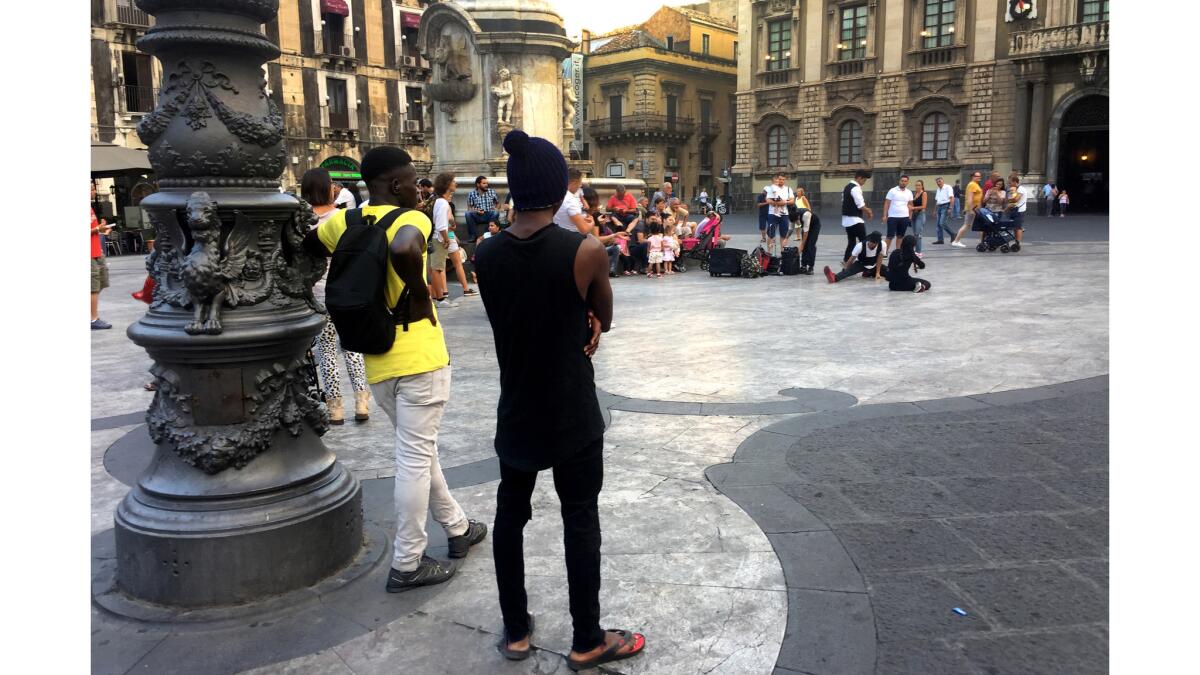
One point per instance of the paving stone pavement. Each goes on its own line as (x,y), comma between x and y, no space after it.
(888,522)
(684,560)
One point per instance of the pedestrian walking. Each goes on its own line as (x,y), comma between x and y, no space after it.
(99,265)
(1047,194)
(972,200)
(319,191)
(896,213)
(1018,199)
(958,200)
(548,299)
(854,210)
(945,199)
(411,380)
(763,211)
(1063,202)
(443,213)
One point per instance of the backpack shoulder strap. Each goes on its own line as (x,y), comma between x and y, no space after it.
(353,218)
(390,217)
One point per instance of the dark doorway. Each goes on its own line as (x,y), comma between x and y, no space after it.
(1083,155)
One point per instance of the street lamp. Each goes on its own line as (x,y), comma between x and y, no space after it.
(242,500)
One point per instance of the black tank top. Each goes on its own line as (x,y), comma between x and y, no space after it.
(548,408)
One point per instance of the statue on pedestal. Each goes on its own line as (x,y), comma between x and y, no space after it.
(504,97)
(569,102)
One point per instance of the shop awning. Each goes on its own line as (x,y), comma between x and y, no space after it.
(110,160)
(338,7)
(410,20)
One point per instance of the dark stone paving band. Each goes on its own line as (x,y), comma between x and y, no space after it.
(824,581)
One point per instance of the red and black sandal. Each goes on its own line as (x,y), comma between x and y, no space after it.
(613,653)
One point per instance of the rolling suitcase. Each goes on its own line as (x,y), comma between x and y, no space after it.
(722,261)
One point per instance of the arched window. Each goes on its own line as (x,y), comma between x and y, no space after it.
(777,146)
(935,136)
(850,135)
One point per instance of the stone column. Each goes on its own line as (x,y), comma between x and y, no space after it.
(1021,127)
(242,500)
(1037,132)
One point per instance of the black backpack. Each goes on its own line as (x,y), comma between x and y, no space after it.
(355,293)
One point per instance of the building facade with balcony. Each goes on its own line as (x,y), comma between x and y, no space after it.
(658,100)
(923,87)
(349,77)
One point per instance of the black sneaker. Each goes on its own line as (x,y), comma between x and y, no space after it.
(100,324)
(428,573)
(461,545)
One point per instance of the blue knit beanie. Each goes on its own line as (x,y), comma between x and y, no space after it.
(537,172)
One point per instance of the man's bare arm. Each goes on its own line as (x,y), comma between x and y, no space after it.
(407,249)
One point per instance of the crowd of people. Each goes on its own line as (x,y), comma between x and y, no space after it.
(543,259)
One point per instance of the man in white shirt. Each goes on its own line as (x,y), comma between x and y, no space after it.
(897,211)
(345,199)
(868,257)
(855,211)
(945,202)
(779,197)
(571,215)
(1018,198)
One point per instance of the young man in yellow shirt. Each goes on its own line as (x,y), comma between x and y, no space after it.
(972,201)
(411,381)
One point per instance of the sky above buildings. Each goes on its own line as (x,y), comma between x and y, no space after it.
(604,15)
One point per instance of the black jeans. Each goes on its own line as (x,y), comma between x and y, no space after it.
(577,481)
(639,254)
(857,267)
(854,234)
(809,257)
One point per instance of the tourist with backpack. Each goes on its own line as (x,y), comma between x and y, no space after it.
(378,298)
(548,299)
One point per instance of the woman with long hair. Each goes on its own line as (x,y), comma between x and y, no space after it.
(443,214)
(899,264)
(318,189)
(917,209)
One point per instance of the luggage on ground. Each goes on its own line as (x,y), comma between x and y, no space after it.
(722,261)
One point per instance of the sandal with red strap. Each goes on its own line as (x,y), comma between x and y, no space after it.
(613,652)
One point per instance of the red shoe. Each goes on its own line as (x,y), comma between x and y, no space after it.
(145,295)
(830,275)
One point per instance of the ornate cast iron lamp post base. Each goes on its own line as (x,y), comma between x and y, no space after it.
(242,500)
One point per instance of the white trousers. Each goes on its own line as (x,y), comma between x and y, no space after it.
(414,404)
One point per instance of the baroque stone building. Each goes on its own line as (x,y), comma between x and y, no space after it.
(349,77)
(659,98)
(924,87)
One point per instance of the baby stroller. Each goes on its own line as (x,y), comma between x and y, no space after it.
(698,248)
(997,231)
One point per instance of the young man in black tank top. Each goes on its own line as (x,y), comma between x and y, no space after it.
(548,298)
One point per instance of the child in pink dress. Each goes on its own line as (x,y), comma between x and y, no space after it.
(670,246)
(654,255)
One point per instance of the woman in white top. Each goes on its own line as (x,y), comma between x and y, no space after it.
(443,187)
(319,191)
